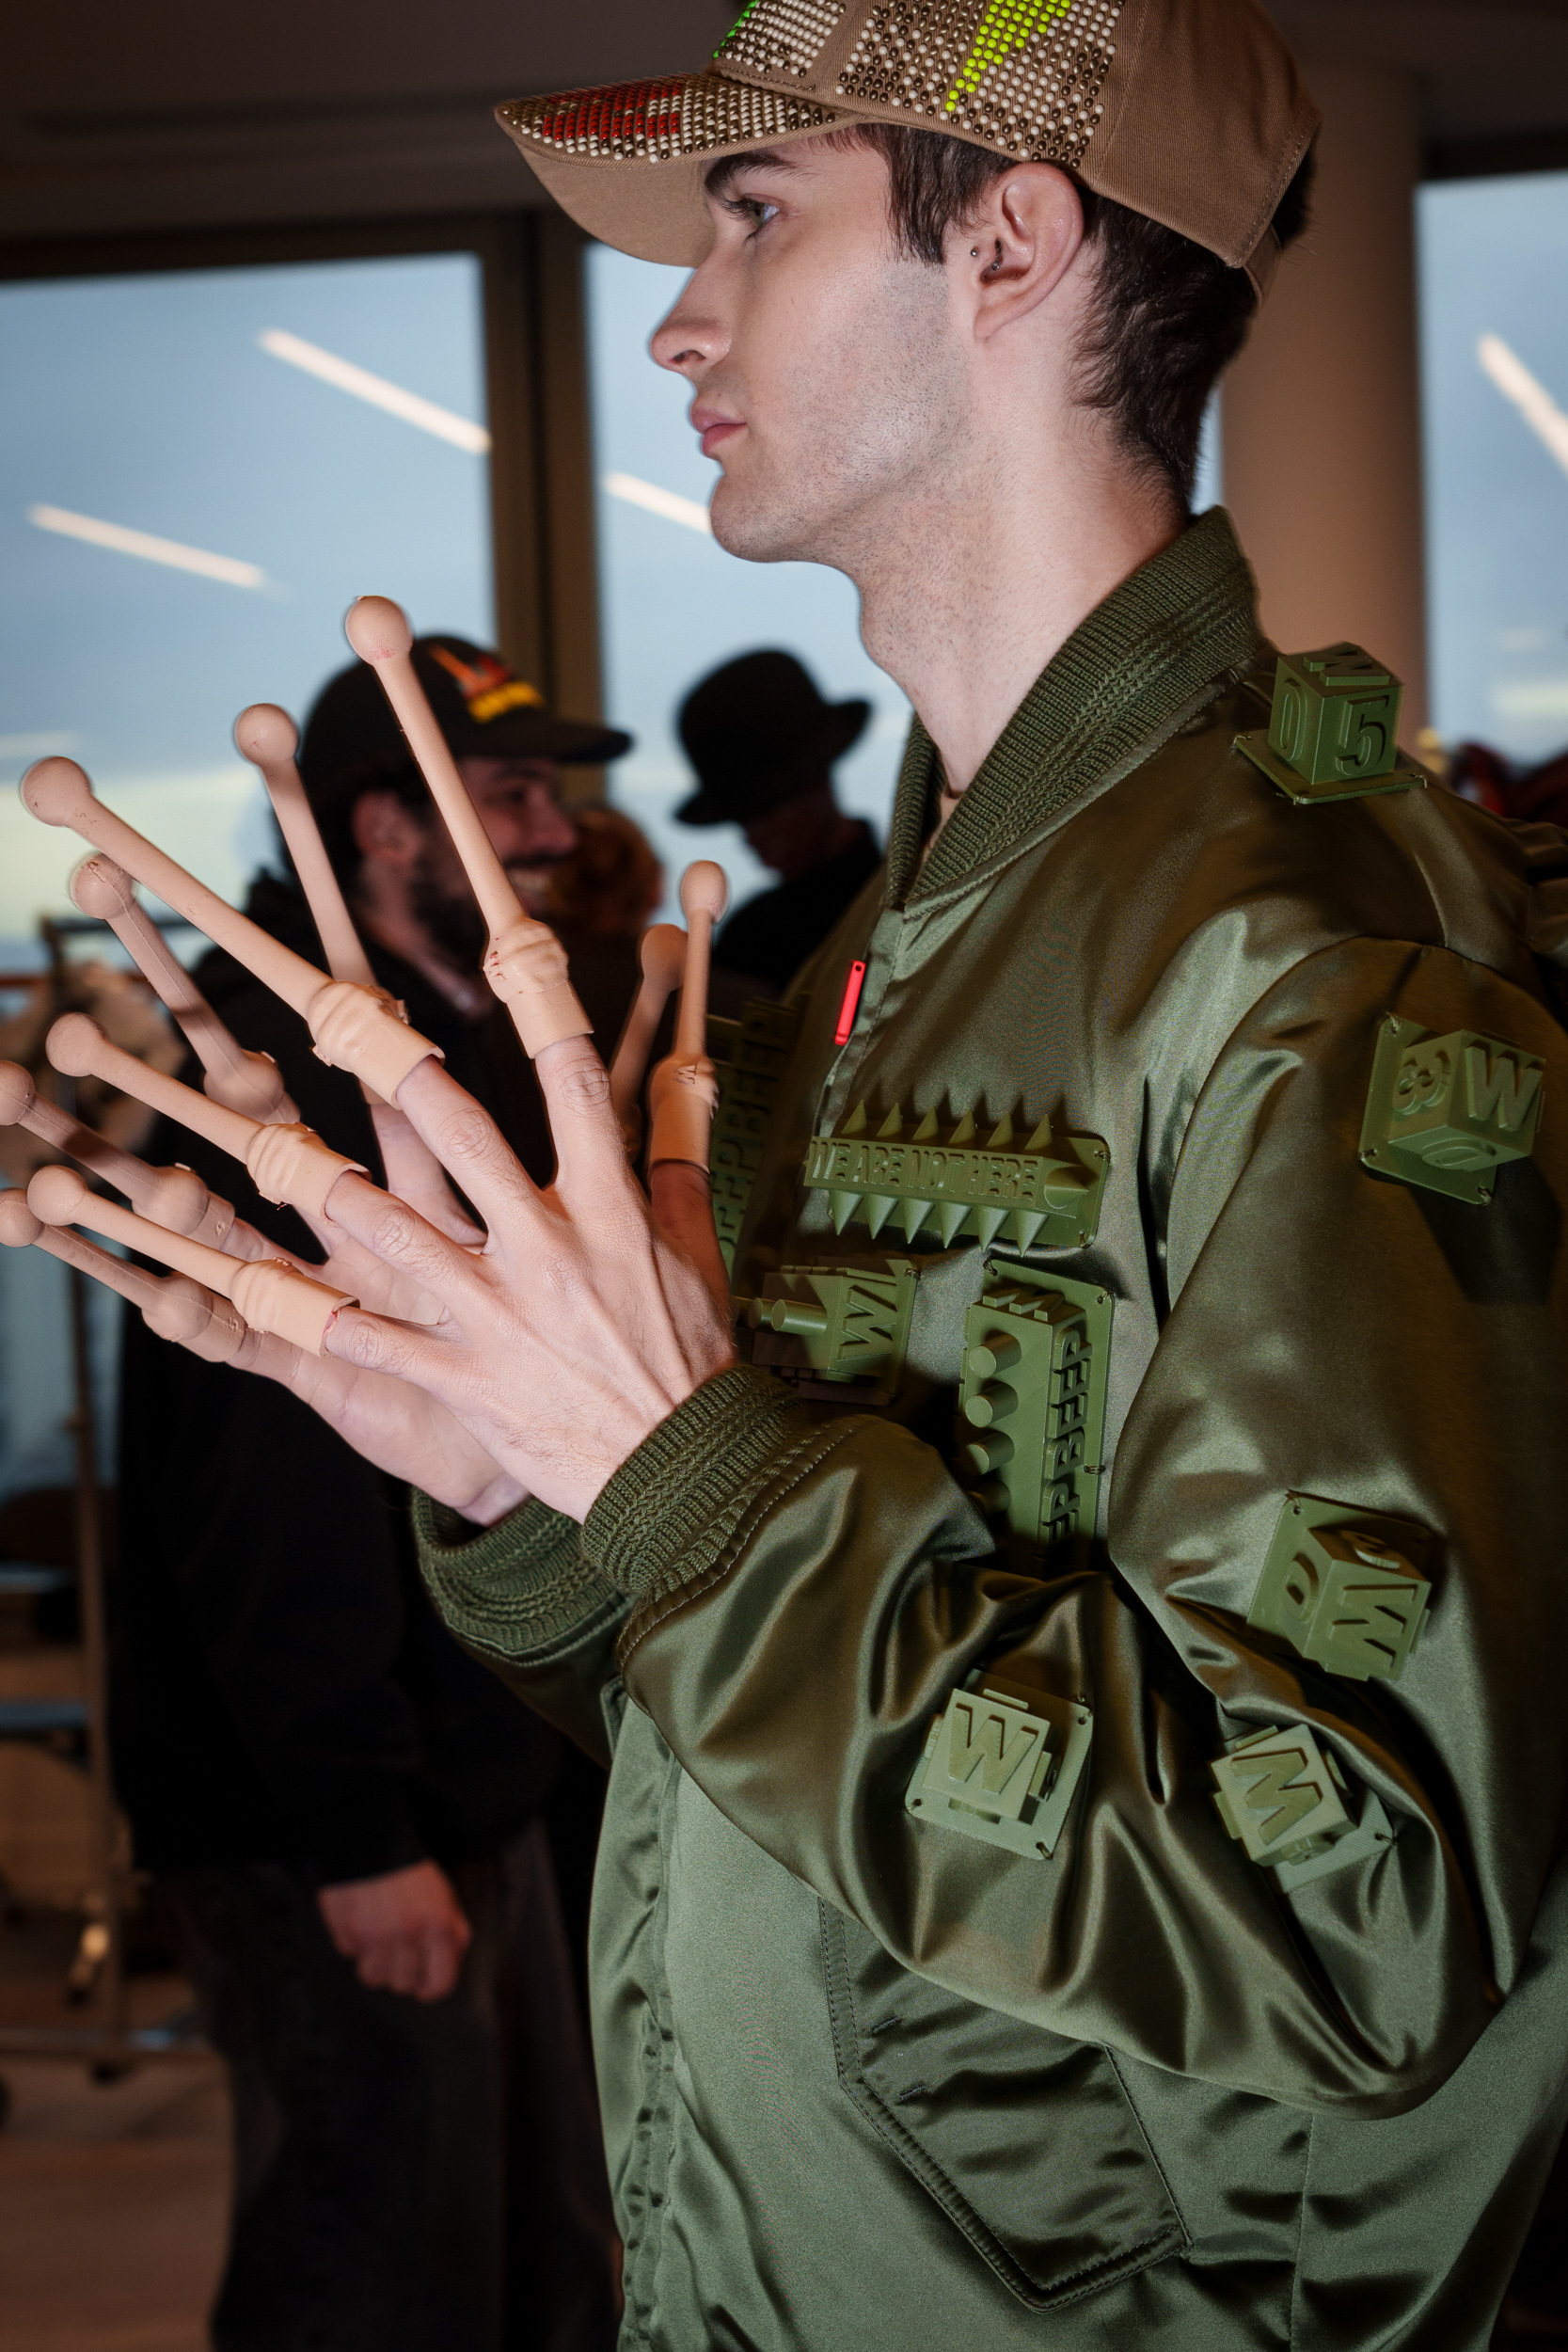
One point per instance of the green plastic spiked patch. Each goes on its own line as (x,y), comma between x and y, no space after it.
(760,1046)
(1000,1764)
(1284,1798)
(840,1323)
(1344,1587)
(1446,1112)
(1032,1402)
(954,1184)
(1333,732)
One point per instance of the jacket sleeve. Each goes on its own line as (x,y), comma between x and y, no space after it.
(810,1590)
(521,1597)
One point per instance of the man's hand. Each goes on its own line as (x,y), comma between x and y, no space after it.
(584,1321)
(405,1932)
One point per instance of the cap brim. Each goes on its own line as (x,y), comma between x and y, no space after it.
(538,735)
(627,162)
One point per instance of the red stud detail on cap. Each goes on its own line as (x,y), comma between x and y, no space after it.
(854,982)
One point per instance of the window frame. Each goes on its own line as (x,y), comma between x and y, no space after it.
(543,553)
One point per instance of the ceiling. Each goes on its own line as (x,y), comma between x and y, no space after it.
(180,117)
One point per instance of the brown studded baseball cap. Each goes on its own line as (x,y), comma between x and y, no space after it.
(1191,112)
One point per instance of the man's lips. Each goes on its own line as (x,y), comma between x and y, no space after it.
(713,428)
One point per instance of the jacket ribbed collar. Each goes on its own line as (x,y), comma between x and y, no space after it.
(1136,667)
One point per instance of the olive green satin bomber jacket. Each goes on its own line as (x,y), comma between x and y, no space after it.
(880,2074)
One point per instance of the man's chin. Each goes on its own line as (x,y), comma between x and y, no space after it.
(759,529)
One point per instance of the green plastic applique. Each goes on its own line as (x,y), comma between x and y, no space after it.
(1034,1193)
(1344,1587)
(1333,732)
(843,1322)
(760,1046)
(1283,1797)
(1032,1401)
(1000,1764)
(1446,1112)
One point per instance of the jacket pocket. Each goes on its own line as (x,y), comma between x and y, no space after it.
(1026,2141)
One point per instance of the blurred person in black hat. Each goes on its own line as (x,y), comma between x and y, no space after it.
(763,743)
(348,1819)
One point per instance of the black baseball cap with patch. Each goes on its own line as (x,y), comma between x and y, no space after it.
(482,707)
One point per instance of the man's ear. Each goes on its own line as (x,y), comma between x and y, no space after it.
(385,833)
(1026,235)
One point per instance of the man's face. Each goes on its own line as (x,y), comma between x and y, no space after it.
(828,369)
(529,831)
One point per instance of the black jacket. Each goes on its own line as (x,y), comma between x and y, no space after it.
(283,1689)
(770,936)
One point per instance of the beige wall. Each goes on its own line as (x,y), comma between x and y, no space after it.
(1321,416)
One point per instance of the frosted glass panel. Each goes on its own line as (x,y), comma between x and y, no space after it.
(198,471)
(1494,260)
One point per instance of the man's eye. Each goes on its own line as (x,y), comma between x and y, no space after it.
(756,210)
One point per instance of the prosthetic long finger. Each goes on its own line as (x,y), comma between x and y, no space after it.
(247,1082)
(171,1304)
(271,1296)
(171,1197)
(269,739)
(525,963)
(290,1164)
(662,956)
(685,1090)
(351,1028)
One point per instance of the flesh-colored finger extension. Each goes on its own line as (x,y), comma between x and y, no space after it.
(349,1027)
(246,1082)
(269,738)
(525,963)
(171,1197)
(194,1317)
(685,1092)
(170,1305)
(662,956)
(288,1165)
(270,1296)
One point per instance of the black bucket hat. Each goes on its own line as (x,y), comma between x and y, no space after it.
(757,732)
(481,705)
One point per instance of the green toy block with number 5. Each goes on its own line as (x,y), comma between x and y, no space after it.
(1333,731)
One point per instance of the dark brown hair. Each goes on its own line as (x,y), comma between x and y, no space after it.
(1171,315)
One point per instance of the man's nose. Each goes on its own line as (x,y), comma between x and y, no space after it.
(543,830)
(692,337)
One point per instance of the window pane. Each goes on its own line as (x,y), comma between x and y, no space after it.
(674,605)
(1493,257)
(153,405)
(186,510)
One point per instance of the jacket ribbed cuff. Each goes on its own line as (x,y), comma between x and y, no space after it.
(515,1589)
(669,1511)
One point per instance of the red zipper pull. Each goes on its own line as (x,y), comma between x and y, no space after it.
(854,982)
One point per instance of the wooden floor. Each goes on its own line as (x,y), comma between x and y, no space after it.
(112,2207)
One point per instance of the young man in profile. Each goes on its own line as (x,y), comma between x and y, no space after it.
(1082,1859)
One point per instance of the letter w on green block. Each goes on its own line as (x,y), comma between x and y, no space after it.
(1276,1791)
(988,1754)
(1272,1787)
(1497,1084)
